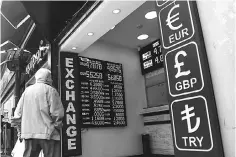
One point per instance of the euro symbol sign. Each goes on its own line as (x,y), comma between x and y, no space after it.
(170,19)
(179,65)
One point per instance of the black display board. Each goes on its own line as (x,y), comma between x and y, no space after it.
(102,97)
(151,57)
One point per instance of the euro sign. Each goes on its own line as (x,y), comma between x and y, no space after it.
(179,65)
(170,19)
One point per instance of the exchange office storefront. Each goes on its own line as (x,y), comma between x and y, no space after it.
(115,88)
(110,98)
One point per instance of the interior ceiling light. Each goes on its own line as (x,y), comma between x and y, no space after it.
(142,37)
(113,27)
(73,48)
(90,34)
(151,15)
(116,11)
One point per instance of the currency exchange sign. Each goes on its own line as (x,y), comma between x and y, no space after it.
(184,72)
(192,124)
(177,29)
(193,108)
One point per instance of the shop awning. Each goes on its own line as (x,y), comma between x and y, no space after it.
(15,23)
(52,17)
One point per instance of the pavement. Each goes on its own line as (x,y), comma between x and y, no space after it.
(6,155)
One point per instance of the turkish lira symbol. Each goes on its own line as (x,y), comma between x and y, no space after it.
(187,116)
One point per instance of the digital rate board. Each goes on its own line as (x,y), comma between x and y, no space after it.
(102,97)
(151,57)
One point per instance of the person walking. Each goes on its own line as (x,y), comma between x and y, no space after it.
(41,112)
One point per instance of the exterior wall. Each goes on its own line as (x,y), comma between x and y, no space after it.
(119,141)
(218,25)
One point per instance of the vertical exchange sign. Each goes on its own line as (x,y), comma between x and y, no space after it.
(194,118)
(71,135)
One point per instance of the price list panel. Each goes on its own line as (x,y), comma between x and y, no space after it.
(151,57)
(101,93)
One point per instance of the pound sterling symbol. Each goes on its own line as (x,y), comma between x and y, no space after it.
(188,116)
(179,65)
(170,19)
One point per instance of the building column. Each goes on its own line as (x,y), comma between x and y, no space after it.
(218,25)
(53,58)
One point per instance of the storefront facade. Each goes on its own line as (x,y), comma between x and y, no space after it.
(12,87)
(129,102)
(7,104)
(146,96)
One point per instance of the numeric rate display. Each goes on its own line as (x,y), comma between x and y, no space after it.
(101,93)
(151,57)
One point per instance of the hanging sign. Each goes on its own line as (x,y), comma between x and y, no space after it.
(151,57)
(194,118)
(71,134)
(38,59)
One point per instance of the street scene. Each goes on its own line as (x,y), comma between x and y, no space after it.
(145,78)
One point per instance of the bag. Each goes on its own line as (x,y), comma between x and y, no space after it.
(18,149)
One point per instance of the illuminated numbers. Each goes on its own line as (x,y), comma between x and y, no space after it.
(157,60)
(95,75)
(119,102)
(96,84)
(114,77)
(161,58)
(119,110)
(118,94)
(159,48)
(118,106)
(114,68)
(120,118)
(155,51)
(119,122)
(87,74)
(118,86)
(99,118)
(120,114)
(98,122)
(118,98)
(96,65)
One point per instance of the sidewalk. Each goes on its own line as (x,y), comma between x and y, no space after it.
(3,155)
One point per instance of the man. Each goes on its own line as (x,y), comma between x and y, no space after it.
(41,113)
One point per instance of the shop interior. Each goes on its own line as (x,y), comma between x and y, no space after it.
(130,27)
